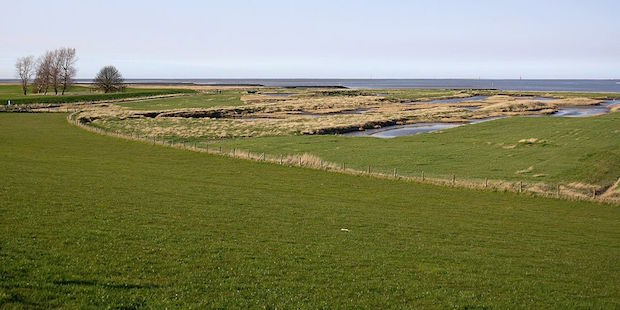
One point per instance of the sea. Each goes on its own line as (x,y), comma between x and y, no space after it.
(500,84)
(522,85)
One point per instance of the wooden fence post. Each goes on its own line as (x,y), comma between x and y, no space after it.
(234,151)
(520,186)
(594,193)
(558,190)
(368,169)
(423,178)
(486,182)
(395,173)
(299,160)
(281,158)
(453,179)
(220,150)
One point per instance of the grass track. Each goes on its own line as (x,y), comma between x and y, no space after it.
(93,220)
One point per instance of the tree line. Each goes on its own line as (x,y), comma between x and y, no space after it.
(56,70)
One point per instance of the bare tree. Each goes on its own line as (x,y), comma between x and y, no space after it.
(55,70)
(109,79)
(24,68)
(43,76)
(67,67)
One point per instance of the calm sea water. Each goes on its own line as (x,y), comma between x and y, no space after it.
(534,85)
(540,85)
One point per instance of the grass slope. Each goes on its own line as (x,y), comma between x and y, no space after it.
(88,220)
(566,149)
(14,91)
(226,98)
(78,93)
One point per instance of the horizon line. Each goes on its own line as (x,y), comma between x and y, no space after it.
(344,78)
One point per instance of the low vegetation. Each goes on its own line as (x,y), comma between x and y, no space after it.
(79,94)
(533,149)
(543,155)
(94,221)
(202,100)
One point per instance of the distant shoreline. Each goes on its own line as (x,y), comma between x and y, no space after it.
(572,85)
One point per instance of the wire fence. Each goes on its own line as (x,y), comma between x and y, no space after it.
(570,191)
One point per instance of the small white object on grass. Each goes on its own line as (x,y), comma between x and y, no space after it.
(344,230)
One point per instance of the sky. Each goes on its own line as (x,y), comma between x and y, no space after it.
(321,39)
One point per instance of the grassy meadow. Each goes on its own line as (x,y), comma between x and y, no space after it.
(77,93)
(202,100)
(15,91)
(533,149)
(89,221)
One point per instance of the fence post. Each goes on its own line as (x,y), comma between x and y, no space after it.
(220,150)
(558,190)
(262,156)
(368,169)
(520,186)
(281,158)
(395,173)
(594,193)
(453,179)
(234,151)
(486,182)
(344,166)
(299,160)
(423,178)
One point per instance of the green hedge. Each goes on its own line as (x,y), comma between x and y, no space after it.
(93,97)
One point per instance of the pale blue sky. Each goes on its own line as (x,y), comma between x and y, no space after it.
(321,39)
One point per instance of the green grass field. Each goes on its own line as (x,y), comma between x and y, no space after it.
(226,98)
(94,221)
(78,93)
(14,91)
(566,150)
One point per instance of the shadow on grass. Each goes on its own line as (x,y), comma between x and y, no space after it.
(105,285)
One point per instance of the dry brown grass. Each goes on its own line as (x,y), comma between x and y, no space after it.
(613,192)
(272,116)
(528,170)
(575,102)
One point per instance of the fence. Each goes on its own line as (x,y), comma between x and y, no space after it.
(563,191)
